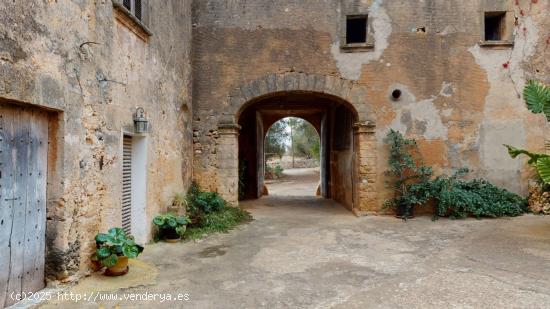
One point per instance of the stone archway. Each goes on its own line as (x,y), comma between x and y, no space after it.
(345,91)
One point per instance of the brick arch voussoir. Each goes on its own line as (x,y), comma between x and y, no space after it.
(344,89)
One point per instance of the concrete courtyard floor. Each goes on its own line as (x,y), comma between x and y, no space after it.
(308,252)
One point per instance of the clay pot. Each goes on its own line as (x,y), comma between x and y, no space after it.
(119,269)
(95,265)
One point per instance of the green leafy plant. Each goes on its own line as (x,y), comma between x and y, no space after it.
(316,150)
(278,170)
(112,245)
(407,178)
(218,222)
(543,167)
(272,172)
(210,213)
(203,201)
(458,198)
(304,139)
(453,196)
(540,161)
(179,200)
(168,221)
(537,99)
(533,157)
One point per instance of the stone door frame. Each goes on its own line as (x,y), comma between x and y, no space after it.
(343,90)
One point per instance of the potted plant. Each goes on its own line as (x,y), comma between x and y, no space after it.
(178,204)
(113,251)
(171,227)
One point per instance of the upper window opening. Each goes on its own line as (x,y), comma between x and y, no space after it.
(134,7)
(356,29)
(495,26)
(133,15)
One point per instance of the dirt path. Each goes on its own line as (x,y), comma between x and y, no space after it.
(295,182)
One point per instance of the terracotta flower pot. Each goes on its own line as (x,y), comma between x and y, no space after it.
(95,265)
(119,269)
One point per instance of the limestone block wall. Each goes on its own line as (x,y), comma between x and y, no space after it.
(366,175)
(90,71)
(460,99)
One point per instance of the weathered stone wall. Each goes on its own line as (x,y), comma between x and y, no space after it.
(75,59)
(460,100)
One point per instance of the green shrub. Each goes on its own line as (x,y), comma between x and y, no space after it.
(269,173)
(203,202)
(210,213)
(316,150)
(217,222)
(278,170)
(273,172)
(458,198)
(408,179)
(453,196)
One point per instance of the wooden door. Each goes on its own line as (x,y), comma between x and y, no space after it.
(23,169)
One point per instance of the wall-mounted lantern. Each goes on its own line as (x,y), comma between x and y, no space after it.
(141,125)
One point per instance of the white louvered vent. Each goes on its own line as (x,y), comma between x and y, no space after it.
(127,184)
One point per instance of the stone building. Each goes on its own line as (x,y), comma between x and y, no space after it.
(213,75)
(73,74)
(448,73)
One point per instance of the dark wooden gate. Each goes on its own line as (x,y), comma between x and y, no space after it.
(23,169)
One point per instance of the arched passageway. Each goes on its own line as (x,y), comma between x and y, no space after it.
(337,105)
(292,154)
(333,119)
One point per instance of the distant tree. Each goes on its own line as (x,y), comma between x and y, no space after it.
(277,136)
(296,135)
(305,139)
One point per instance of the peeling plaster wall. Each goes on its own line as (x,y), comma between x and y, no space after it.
(460,100)
(350,64)
(92,90)
(498,126)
